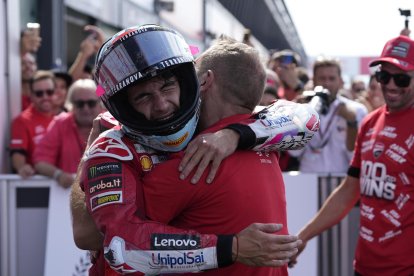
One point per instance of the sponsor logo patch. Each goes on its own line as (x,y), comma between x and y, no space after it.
(105,199)
(104,169)
(146,163)
(105,184)
(174,261)
(174,242)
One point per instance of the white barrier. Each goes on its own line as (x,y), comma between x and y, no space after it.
(32,208)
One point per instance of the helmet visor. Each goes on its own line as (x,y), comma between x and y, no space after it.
(138,56)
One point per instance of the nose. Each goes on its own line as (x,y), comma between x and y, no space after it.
(160,103)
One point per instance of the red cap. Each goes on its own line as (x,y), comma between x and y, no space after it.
(399,52)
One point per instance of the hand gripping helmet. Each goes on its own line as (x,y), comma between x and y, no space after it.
(135,55)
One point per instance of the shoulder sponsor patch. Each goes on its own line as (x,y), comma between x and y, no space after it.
(104,199)
(109,168)
(174,242)
(109,144)
(108,183)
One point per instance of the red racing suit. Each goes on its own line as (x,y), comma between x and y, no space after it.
(112,181)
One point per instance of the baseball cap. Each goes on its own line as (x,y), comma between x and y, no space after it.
(398,51)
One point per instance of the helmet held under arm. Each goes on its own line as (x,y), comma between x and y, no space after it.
(135,55)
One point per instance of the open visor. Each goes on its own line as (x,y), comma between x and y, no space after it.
(141,54)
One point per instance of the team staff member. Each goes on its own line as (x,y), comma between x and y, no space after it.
(124,149)
(381,174)
(249,185)
(29,127)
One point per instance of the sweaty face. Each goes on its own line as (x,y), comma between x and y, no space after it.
(329,78)
(397,98)
(157,99)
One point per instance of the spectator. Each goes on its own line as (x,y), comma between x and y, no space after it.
(284,63)
(63,81)
(29,127)
(331,148)
(28,69)
(30,40)
(270,90)
(381,174)
(88,47)
(59,152)
(372,98)
(357,87)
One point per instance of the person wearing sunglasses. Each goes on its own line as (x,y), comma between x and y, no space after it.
(29,127)
(381,174)
(59,152)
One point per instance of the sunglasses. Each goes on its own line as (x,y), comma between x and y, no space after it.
(40,93)
(400,80)
(80,104)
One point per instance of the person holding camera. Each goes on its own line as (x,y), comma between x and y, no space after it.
(285,63)
(381,174)
(332,147)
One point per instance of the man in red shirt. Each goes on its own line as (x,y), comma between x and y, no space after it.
(249,185)
(381,174)
(29,127)
(59,152)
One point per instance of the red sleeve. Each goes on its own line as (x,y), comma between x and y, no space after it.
(20,135)
(114,197)
(48,148)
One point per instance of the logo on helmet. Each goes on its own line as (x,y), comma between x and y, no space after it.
(176,142)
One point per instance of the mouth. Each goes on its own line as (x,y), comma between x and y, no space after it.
(165,117)
(393,94)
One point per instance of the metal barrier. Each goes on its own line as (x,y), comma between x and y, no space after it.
(24,218)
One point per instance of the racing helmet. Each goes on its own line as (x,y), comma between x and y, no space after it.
(137,54)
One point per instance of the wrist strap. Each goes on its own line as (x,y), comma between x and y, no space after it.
(224,250)
(247,136)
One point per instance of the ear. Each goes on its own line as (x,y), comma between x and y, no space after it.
(207,80)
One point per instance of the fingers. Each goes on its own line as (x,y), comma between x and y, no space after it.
(205,161)
(191,159)
(268,227)
(213,170)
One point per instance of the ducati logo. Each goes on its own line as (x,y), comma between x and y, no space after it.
(378,149)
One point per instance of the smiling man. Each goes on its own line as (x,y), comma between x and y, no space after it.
(381,174)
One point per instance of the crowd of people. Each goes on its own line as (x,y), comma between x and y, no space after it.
(123,199)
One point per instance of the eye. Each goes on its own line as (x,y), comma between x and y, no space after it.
(169,85)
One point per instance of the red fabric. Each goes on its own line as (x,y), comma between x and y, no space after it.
(125,216)
(27,130)
(248,188)
(385,154)
(25,102)
(62,144)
